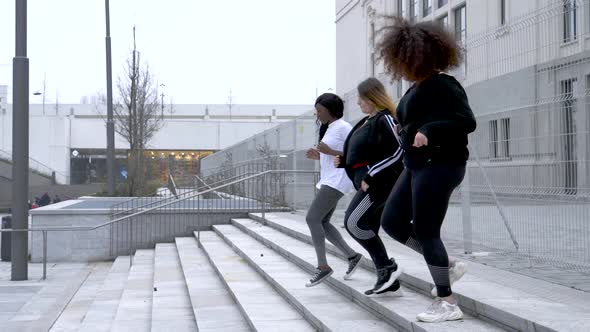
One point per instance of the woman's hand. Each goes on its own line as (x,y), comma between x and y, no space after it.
(312,154)
(364,186)
(325,149)
(420,140)
(336,160)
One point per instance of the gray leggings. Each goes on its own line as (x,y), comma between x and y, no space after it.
(318,220)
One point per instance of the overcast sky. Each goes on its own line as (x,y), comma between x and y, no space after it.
(266,51)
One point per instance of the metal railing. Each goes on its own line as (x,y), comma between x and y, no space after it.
(138,203)
(38,167)
(177,218)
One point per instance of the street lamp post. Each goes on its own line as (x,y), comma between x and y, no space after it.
(110,122)
(20,146)
(162,95)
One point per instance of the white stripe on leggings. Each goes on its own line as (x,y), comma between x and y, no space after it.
(354,218)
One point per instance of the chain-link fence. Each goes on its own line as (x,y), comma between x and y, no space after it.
(527,189)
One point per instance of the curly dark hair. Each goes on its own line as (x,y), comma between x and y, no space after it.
(416,51)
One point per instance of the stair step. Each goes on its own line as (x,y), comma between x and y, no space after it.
(104,308)
(261,305)
(135,309)
(399,311)
(325,307)
(171,306)
(213,306)
(512,300)
(72,316)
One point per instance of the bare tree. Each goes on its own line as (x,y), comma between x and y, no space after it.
(137,117)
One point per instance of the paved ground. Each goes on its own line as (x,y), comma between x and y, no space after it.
(554,241)
(36,304)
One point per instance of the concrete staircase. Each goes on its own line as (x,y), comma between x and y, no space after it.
(250,276)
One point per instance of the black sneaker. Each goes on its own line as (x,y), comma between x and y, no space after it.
(353,264)
(386,277)
(319,276)
(394,288)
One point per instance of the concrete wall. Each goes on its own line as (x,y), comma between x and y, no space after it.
(39,188)
(95,245)
(532,99)
(35,180)
(191,127)
(350,45)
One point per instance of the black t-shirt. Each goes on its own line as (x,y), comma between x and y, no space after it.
(438,108)
(359,143)
(372,142)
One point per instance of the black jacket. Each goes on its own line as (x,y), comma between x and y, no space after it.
(383,153)
(439,109)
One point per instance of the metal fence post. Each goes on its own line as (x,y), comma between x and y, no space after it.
(294,161)
(130,242)
(44,255)
(466,212)
(264,198)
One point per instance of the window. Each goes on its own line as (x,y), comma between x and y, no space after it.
(426,7)
(500,138)
(372,50)
(570,32)
(441,3)
(372,35)
(493,139)
(505,138)
(414,10)
(460,24)
(444,21)
(402,7)
(567,135)
(502,12)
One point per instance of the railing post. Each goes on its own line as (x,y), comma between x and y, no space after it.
(264,198)
(466,212)
(130,241)
(44,255)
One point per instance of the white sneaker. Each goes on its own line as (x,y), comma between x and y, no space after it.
(456,272)
(440,311)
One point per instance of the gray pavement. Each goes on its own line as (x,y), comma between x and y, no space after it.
(553,239)
(36,304)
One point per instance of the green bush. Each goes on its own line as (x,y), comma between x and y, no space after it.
(149,189)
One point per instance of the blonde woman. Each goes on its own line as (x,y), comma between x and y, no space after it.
(372,160)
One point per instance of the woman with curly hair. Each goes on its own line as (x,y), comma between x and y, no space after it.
(434,119)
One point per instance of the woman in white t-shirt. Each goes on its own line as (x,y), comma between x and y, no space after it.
(333,184)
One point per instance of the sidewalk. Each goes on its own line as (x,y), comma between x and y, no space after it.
(506,259)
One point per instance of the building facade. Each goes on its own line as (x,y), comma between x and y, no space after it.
(70,139)
(526,72)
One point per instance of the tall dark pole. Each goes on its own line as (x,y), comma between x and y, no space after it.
(110,122)
(162,95)
(20,146)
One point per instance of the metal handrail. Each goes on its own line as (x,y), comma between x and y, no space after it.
(186,193)
(47,171)
(117,220)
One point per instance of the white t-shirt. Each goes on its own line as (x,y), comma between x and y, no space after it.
(331,176)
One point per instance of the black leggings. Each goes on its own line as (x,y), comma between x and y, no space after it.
(362,220)
(423,196)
